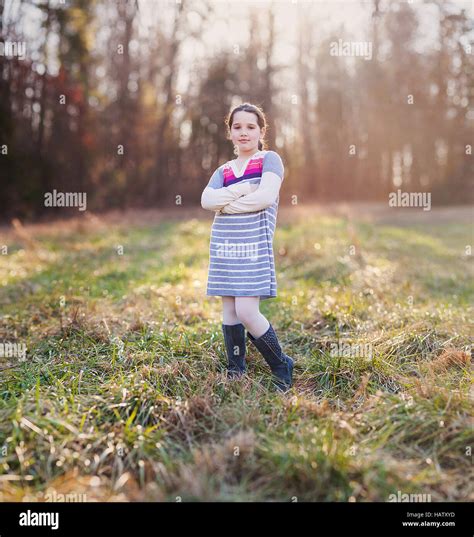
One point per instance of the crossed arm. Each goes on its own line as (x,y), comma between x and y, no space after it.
(242,197)
(214,199)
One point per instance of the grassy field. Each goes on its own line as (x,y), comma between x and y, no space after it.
(123,395)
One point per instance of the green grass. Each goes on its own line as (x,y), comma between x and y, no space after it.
(123,394)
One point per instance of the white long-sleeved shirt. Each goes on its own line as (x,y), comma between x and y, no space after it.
(214,199)
(266,194)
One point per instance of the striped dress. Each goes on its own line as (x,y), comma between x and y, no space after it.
(241,261)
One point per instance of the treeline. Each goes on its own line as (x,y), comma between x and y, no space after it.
(125,100)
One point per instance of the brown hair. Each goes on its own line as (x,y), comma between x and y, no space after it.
(254,109)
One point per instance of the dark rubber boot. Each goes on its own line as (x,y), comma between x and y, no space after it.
(234,337)
(280,364)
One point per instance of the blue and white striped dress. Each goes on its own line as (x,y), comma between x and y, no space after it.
(241,261)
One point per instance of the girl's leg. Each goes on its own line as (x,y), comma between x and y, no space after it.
(229,315)
(234,337)
(247,309)
(263,336)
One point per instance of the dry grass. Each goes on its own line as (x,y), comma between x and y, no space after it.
(123,396)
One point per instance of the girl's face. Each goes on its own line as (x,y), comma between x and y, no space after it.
(245,131)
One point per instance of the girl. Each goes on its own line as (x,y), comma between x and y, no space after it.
(244,193)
